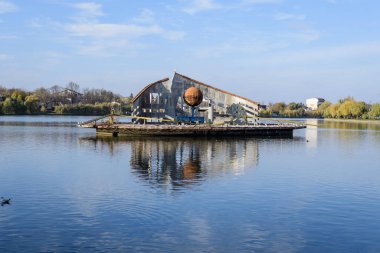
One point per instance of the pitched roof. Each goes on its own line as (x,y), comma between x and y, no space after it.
(193,80)
(209,86)
(147,87)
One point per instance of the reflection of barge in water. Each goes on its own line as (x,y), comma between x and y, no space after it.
(130,129)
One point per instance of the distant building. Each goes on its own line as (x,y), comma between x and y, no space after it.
(314,103)
(71,96)
(263,107)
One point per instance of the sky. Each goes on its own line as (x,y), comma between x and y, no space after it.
(265,50)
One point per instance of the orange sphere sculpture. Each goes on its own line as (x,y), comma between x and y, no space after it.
(193,96)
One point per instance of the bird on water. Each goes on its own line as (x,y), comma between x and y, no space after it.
(5,201)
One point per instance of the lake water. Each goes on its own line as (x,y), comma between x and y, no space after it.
(72,192)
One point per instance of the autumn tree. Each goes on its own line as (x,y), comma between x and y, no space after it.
(374,113)
(93,96)
(277,107)
(43,95)
(8,106)
(31,104)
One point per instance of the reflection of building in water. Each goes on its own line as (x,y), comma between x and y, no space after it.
(180,162)
(175,162)
(311,133)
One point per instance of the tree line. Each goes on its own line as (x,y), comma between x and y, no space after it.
(60,100)
(71,100)
(347,108)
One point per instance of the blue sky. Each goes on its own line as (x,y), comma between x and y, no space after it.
(266,50)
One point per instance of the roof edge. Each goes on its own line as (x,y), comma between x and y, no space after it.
(147,87)
(232,94)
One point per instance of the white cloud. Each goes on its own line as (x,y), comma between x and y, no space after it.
(6,6)
(97,48)
(146,16)
(8,37)
(35,23)
(288,16)
(302,31)
(92,36)
(255,2)
(201,5)
(326,54)
(174,35)
(111,30)
(87,12)
(4,57)
(103,39)
(257,48)
(89,9)
(251,47)
(50,59)
(304,35)
(206,5)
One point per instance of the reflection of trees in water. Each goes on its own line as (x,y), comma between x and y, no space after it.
(351,132)
(349,124)
(180,162)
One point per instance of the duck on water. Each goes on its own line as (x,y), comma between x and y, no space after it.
(5,201)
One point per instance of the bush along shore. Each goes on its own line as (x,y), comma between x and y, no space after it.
(347,108)
(59,100)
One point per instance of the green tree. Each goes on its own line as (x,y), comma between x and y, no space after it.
(332,111)
(295,106)
(19,105)
(267,113)
(31,104)
(43,109)
(8,106)
(341,101)
(358,109)
(278,108)
(323,109)
(374,113)
(17,93)
(344,109)
(352,109)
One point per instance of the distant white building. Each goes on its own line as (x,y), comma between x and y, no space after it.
(314,103)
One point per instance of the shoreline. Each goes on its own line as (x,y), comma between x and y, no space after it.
(327,119)
(51,114)
(261,118)
(355,120)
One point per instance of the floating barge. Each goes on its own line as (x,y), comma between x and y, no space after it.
(186,107)
(149,129)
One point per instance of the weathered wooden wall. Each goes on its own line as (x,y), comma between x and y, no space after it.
(163,99)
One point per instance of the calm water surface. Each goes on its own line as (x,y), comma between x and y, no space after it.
(72,192)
